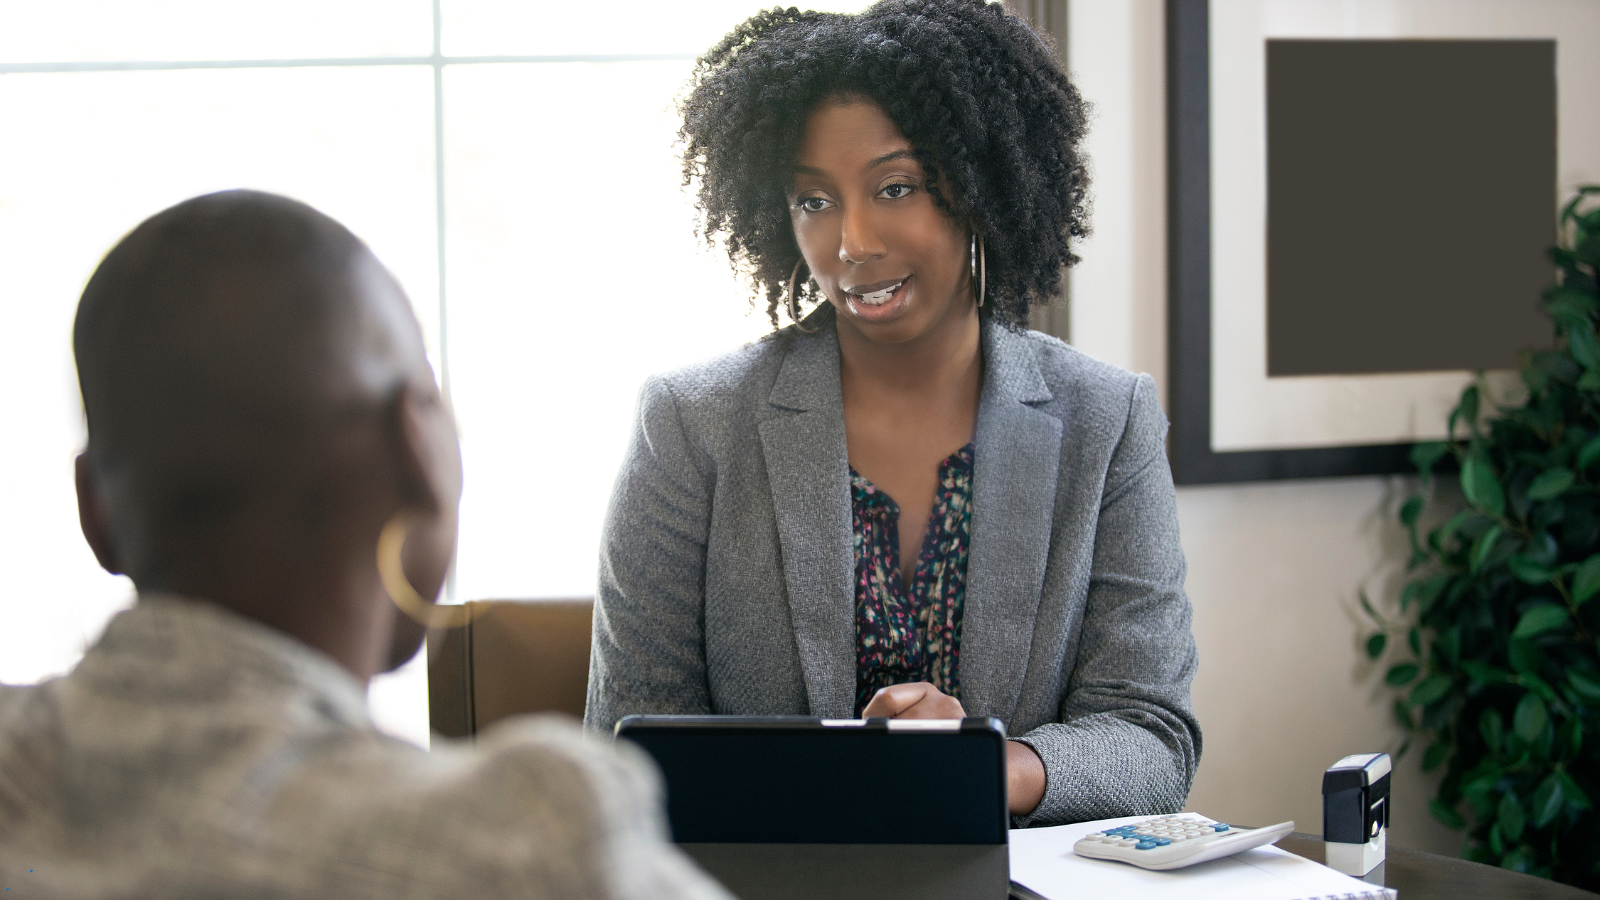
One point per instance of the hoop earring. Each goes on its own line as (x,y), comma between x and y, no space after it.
(794,300)
(393,575)
(979,264)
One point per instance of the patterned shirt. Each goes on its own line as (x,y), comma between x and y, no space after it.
(195,753)
(915,637)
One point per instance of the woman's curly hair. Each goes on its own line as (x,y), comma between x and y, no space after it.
(976,92)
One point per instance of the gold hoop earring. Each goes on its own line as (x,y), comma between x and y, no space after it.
(979,265)
(794,300)
(391,571)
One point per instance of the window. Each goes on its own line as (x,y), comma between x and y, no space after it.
(511,162)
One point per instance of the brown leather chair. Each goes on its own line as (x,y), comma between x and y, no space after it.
(513,656)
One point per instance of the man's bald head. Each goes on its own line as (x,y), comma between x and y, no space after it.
(226,348)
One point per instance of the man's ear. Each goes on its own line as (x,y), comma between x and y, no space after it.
(92,517)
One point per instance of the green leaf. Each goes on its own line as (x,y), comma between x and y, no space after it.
(1481,487)
(1587,582)
(1366,604)
(1437,752)
(1584,686)
(1590,380)
(1571,791)
(1547,801)
(1525,657)
(1375,645)
(1527,570)
(1541,687)
(1550,484)
(1432,689)
(1401,675)
(1510,816)
(1571,302)
(1581,341)
(1414,640)
(1482,547)
(1589,453)
(1467,410)
(1423,592)
(1493,729)
(1447,815)
(1543,549)
(1402,715)
(1530,718)
(1410,510)
(1539,619)
(1426,455)
(1483,673)
(1518,860)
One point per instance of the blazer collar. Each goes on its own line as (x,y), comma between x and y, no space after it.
(808,468)
(1015,466)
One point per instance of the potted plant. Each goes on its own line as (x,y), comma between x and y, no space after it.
(1494,647)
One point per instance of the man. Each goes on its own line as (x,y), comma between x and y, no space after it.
(260,410)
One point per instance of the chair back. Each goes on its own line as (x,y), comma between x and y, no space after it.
(513,656)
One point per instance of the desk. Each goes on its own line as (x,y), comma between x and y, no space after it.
(1428,876)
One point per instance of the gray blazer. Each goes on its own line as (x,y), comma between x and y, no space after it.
(727,563)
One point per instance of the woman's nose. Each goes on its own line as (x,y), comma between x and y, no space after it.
(859,242)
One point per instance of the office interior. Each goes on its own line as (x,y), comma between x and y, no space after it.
(513,163)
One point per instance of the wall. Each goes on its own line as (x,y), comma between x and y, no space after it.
(1274,568)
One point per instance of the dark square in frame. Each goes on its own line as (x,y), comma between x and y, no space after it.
(1394,169)
(1189,270)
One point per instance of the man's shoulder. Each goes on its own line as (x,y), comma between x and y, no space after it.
(570,810)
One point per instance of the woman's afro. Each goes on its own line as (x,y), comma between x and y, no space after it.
(976,92)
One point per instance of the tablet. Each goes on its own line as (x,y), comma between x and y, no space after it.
(796,780)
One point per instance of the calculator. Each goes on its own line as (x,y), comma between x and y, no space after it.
(1172,842)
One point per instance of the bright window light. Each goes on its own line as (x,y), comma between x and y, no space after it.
(571,268)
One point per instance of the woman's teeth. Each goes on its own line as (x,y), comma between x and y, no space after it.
(878,298)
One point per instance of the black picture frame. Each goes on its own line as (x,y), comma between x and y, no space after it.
(1189,289)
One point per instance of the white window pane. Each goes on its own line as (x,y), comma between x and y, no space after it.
(573,273)
(490,27)
(99,30)
(106,150)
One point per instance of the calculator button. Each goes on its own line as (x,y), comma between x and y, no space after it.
(1146,845)
(1219,827)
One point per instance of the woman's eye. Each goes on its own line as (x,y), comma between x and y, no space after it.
(896,191)
(812,204)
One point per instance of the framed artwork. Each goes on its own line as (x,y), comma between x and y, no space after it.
(1360,195)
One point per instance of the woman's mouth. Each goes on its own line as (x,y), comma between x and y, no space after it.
(879,296)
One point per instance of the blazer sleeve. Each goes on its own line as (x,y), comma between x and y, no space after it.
(647,654)
(1126,741)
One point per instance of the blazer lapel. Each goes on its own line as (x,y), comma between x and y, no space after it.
(1014,488)
(809,470)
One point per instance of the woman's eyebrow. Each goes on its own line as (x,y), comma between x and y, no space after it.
(890,157)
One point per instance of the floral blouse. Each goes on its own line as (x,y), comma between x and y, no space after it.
(902,638)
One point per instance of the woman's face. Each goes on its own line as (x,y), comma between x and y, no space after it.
(891,262)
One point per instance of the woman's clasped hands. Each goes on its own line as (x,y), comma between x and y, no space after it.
(1025,775)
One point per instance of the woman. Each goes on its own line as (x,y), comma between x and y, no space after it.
(915,169)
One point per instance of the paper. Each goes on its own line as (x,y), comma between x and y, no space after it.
(1044,866)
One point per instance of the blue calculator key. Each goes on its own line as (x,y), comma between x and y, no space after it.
(1219,827)
(1162,842)
(1145,845)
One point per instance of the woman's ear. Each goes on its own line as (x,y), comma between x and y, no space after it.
(428,451)
(92,516)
